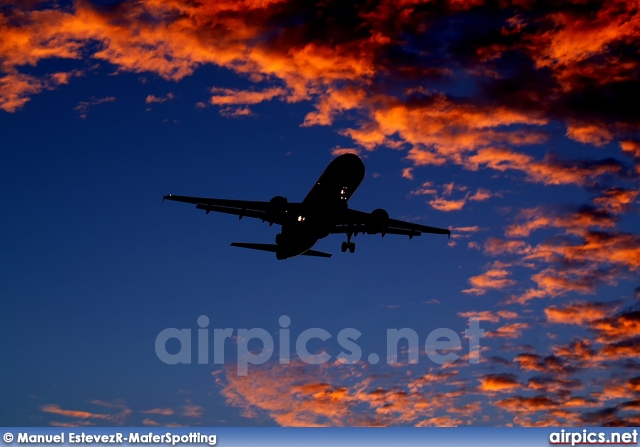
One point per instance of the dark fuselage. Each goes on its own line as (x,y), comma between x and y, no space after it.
(321,208)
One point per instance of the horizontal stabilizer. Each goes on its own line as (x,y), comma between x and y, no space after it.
(319,254)
(273,248)
(264,247)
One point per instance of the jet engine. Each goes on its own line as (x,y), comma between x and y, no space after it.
(276,209)
(378,221)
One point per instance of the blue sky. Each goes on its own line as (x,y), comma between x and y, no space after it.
(519,133)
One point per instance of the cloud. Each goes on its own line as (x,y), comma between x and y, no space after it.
(55,409)
(493,278)
(616,200)
(192,410)
(335,395)
(581,353)
(579,313)
(441,204)
(152,99)
(16,90)
(585,253)
(227,97)
(620,327)
(118,415)
(150,422)
(235,112)
(83,106)
(370,69)
(535,67)
(471,229)
(494,246)
(589,134)
(530,362)
(426,189)
(513,330)
(336,151)
(576,221)
(160,411)
(407,173)
(549,171)
(518,404)
(554,385)
(480,195)
(499,382)
(490,316)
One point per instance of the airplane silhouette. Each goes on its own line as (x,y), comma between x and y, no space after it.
(323,211)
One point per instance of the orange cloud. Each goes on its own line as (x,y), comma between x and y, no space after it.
(441,204)
(450,128)
(577,38)
(616,200)
(226,96)
(480,195)
(530,362)
(589,134)
(549,171)
(494,278)
(336,151)
(553,385)
(629,348)
(494,246)
(616,328)
(83,106)
(330,394)
(118,417)
(55,409)
(151,99)
(191,410)
(350,73)
(632,147)
(425,189)
(579,351)
(150,422)
(576,222)
(419,157)
(520,404)
(613,249)
(407,173)
(513,330)
(235,112)
(472,229)
(579,312)
(160,411)
(16,90)
(499,382)
(442,421)
(482,316)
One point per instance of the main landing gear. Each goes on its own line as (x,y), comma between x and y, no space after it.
(351,246)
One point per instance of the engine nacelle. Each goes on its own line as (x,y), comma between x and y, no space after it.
(378,221)
(277,208)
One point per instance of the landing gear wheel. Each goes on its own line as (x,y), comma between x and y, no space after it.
(348,245)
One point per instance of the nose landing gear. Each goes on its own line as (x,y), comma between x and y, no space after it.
(351,246)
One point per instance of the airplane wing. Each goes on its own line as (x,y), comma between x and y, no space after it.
(379,222)
(241,208)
